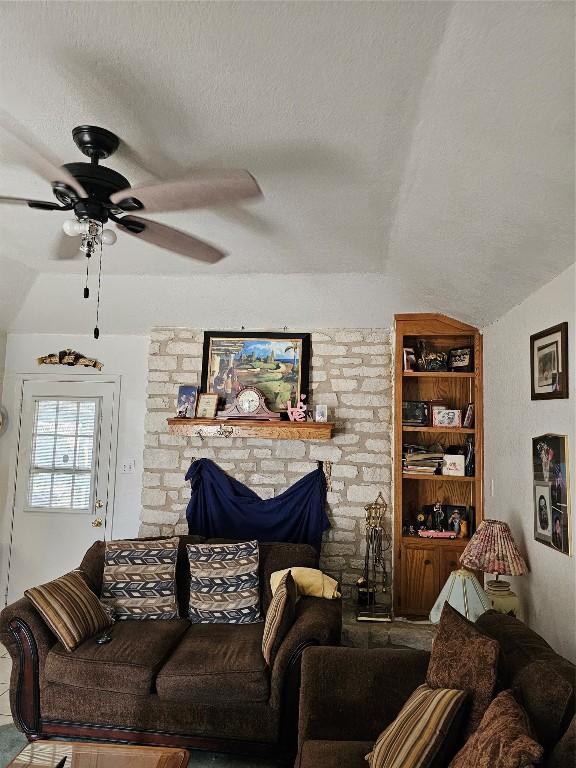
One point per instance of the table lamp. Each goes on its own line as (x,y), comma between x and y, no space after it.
(493,550)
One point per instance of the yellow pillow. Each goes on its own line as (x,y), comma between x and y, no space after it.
(309,581)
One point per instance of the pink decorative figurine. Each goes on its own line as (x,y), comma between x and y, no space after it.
(298,412)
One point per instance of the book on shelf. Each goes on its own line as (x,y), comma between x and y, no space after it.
(421,459)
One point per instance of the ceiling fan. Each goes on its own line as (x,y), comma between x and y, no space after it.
(97,194)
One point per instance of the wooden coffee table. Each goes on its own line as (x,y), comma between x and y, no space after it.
(90,755)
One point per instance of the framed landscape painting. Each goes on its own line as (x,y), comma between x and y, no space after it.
(275,363)
(551,491)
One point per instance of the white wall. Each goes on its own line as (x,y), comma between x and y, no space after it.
(512,419)
(2,359)
(134,304)
(125,356)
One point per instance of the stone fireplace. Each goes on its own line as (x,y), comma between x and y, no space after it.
(351,372)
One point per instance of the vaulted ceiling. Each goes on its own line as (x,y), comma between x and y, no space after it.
(431,143)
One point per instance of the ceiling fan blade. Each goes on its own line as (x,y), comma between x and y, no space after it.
(201,189)
(169,238)
(25,148)
(67,248)
(40,204)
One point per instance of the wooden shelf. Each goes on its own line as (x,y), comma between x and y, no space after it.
(437,375)
(454,430)
(437,478)
(274,430)
(421,566)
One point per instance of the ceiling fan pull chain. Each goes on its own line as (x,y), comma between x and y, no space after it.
(86,289)
(96,329)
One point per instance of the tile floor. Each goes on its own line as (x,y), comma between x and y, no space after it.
(5,667)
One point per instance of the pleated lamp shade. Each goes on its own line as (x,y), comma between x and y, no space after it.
(492,550)
(464,593)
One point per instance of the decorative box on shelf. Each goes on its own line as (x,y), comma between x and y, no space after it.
(275,430)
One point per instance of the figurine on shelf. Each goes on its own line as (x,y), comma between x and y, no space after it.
(430,361)
(298,412)
(439,517)
(455,522)
(420,521)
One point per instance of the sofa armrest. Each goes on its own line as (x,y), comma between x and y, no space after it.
(318,622)
(28,640)
(354,693)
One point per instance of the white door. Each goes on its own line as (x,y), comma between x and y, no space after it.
(64,478)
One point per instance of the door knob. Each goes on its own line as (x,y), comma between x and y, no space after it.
(99,504)
(97,522)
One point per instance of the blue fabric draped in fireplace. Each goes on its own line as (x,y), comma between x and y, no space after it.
(222,507)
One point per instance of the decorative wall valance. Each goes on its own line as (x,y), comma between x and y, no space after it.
(222,507)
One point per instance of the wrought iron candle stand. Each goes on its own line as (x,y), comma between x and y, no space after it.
(378,541)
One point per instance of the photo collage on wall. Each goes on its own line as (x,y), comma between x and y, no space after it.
(551,491)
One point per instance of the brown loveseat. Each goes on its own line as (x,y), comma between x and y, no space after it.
(168,682)
(348,696)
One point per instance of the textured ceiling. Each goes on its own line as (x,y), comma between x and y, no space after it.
(429,142)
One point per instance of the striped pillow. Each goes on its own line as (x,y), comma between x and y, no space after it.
(139,579)
(279,617)
(70,608)
(224,583)
(416,736)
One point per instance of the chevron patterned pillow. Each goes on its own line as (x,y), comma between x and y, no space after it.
(224,583)
(140,579)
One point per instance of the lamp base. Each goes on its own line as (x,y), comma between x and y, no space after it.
(502,599)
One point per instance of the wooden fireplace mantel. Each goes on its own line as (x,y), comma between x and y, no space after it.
(275,430)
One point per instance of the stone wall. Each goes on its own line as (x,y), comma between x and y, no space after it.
(351,372)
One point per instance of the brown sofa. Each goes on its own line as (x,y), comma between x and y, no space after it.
(168,682)
(348,696)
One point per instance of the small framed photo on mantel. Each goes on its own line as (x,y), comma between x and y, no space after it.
(187,396)
(207,404)
(549,363)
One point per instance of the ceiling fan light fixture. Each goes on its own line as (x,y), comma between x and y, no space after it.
(74,228)
(108,237)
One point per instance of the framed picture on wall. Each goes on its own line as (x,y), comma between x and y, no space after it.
(549,363)
(551,491)
(275,363)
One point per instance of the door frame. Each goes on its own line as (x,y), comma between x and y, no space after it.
(57,378)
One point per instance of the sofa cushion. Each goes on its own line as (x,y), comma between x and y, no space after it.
(334,754)
(127,664)
(140,579)
(473,669)
(545,681)
(216,663)
(224,583)
(70,608)
(502,739)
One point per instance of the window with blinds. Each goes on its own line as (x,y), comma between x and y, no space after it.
(63,452)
